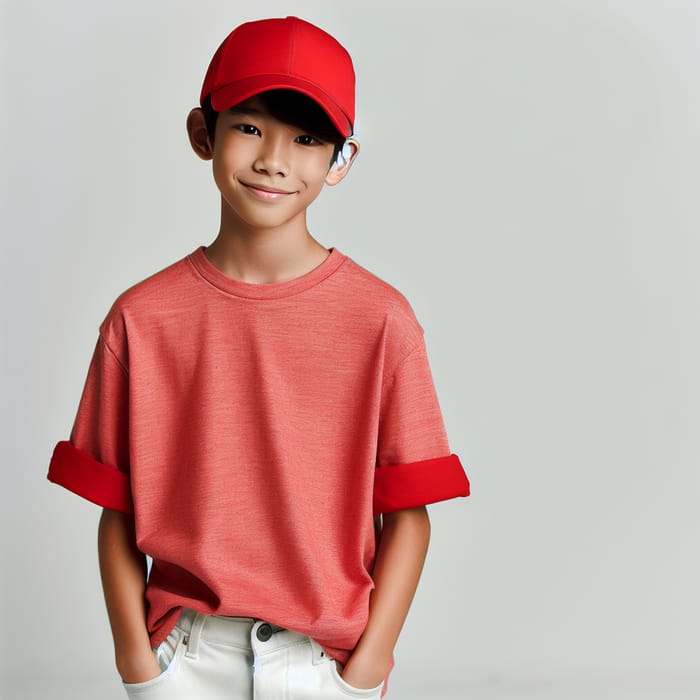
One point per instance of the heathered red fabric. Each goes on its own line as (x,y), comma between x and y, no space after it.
(247,422)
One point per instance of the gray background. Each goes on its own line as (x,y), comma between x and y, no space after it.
(529,179)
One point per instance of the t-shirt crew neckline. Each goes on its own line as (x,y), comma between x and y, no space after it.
(276,290)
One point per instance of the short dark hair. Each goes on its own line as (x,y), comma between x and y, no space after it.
(292,108)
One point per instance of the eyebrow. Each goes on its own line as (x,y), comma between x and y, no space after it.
(246,110)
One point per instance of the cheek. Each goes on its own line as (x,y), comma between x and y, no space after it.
(220,173)
(314,170)
(226,164)
(232,153)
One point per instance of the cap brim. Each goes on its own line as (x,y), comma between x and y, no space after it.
(230,95)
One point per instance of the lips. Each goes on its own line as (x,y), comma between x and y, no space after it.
(265,193)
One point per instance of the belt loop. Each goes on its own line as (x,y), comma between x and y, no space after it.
(318,655)
(194,635)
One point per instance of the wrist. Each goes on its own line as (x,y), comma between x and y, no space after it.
(137,665)
(378,655)
(367,669)
(374,646)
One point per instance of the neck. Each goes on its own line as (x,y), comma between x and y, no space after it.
(264,255)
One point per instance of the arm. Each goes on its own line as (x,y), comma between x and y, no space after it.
(399,562)
(123,571)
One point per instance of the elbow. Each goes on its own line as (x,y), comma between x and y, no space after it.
(116,529)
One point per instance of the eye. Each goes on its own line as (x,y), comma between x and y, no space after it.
(308,140)
(247,129)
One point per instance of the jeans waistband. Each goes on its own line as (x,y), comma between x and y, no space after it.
(244,633)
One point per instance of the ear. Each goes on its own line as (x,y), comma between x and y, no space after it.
(346,158)
(199,137)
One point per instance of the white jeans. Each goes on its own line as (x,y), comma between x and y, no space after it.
(208,657)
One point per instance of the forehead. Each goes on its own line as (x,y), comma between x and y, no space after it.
(252,105)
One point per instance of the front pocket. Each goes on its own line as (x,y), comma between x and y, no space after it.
(154,689)
(350,690)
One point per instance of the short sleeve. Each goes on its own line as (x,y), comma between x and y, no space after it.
(94,463)
(414,463)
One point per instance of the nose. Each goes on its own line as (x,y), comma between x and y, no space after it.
(272,158)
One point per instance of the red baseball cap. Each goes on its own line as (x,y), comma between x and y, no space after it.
(289,53)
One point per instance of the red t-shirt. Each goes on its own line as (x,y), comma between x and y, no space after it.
(255,431)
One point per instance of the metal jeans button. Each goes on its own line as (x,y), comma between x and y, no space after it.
(264,632)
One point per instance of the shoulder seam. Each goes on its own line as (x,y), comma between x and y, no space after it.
(114,354)
(402,361)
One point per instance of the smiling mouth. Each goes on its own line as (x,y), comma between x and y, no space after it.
(268,194)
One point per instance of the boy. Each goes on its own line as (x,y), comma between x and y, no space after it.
(259,418)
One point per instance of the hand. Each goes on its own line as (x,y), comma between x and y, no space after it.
(139,668)
(364,671)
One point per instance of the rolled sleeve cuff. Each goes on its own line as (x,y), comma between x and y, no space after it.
(399,486)
(82,474)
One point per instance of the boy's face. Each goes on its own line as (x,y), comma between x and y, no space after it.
(268,172)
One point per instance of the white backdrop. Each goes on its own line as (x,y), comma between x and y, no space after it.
(529,179)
